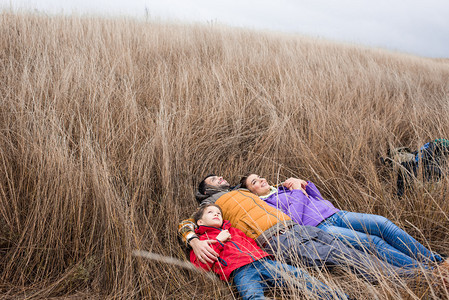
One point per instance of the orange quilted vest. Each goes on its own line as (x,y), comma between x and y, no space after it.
(249,213)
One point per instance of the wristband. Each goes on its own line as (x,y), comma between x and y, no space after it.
(193,237)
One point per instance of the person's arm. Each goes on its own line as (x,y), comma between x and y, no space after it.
(313,191)
(202,249)
(296,184)
(186,230)
(217,247)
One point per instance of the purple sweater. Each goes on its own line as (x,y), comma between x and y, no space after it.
(302,209)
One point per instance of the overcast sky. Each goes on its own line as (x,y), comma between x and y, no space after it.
(419,27)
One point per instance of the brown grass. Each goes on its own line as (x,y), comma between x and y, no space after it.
(107,125)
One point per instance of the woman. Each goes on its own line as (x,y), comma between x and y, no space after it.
(302,201)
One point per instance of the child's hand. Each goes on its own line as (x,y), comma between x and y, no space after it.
(224,236)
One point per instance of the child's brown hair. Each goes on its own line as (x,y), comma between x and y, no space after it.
(199,213)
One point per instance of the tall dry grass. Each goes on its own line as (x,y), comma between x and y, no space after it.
(107,125)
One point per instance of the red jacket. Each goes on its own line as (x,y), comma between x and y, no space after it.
(235,253)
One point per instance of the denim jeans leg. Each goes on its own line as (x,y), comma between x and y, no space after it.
(279,274)
(379,234)
(248,281)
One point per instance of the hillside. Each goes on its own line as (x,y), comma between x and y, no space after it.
(106,126)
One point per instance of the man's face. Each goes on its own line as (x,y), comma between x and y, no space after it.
(216,181)
(211,217)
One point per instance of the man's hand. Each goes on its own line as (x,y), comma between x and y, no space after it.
(223,236)
(203,251)
(296,184)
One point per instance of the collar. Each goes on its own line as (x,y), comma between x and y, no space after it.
(273,190)
(203,229)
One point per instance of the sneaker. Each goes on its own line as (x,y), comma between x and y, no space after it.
(442,271)
(445,265)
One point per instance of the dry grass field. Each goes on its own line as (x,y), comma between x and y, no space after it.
(106,126)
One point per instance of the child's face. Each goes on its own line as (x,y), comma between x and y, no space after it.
(211,217)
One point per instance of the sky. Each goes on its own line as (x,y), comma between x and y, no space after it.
(418,27)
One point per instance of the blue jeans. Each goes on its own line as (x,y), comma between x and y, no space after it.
(379,235)
(252,279)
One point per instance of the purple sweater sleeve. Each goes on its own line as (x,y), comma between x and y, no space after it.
(291,202)
(312,191)
(305,210)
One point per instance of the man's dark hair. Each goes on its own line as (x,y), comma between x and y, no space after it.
(202,185)
(199,213)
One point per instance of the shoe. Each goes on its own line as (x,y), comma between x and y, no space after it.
(445,266)
(442,272)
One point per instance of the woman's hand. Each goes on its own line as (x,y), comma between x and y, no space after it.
(224,236)
(296,184)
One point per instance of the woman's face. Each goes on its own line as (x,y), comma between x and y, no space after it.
(257,185)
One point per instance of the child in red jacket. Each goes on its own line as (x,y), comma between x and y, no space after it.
(251,268)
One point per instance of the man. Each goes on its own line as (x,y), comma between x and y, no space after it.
(275,232)
(209,190)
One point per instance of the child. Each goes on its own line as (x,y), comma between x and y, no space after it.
(247,264)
